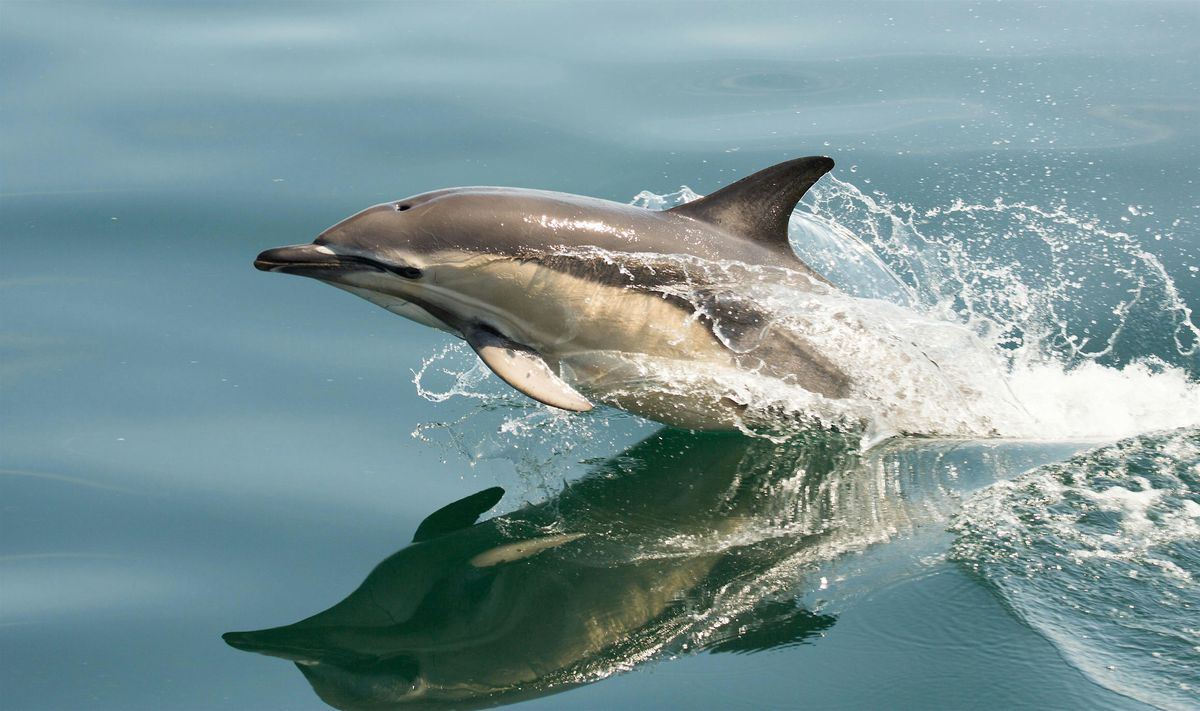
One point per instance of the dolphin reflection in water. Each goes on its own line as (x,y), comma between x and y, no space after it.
(683,543)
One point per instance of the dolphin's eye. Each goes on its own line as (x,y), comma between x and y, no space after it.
(401,207)
(406,272)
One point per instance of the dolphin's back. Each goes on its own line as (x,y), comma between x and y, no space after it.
(518,221)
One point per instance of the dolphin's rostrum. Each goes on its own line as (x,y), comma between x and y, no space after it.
(568,298)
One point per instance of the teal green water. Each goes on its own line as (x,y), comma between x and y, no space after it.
(189,447)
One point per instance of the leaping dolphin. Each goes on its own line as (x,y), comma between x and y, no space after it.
(563,296)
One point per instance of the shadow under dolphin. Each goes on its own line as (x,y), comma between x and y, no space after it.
(683,543)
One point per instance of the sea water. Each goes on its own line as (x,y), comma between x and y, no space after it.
(190,447)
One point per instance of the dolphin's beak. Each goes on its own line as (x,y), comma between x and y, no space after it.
(299,258)
(314,260)
(321,262)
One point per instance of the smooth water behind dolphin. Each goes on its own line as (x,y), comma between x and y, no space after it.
(189,447)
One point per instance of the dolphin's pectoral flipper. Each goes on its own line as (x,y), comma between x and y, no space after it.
(758,206)
(458,515)
(524,368)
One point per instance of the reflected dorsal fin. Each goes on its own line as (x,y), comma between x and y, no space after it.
(458,515)
(758,206)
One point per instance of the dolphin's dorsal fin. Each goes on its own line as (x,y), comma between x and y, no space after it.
(458,515)
(524,368)
(759,205)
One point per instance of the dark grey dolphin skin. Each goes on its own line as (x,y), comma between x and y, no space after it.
(567,298)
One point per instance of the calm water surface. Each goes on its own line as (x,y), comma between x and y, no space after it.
(189,447)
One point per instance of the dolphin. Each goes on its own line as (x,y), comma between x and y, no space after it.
(573,299)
